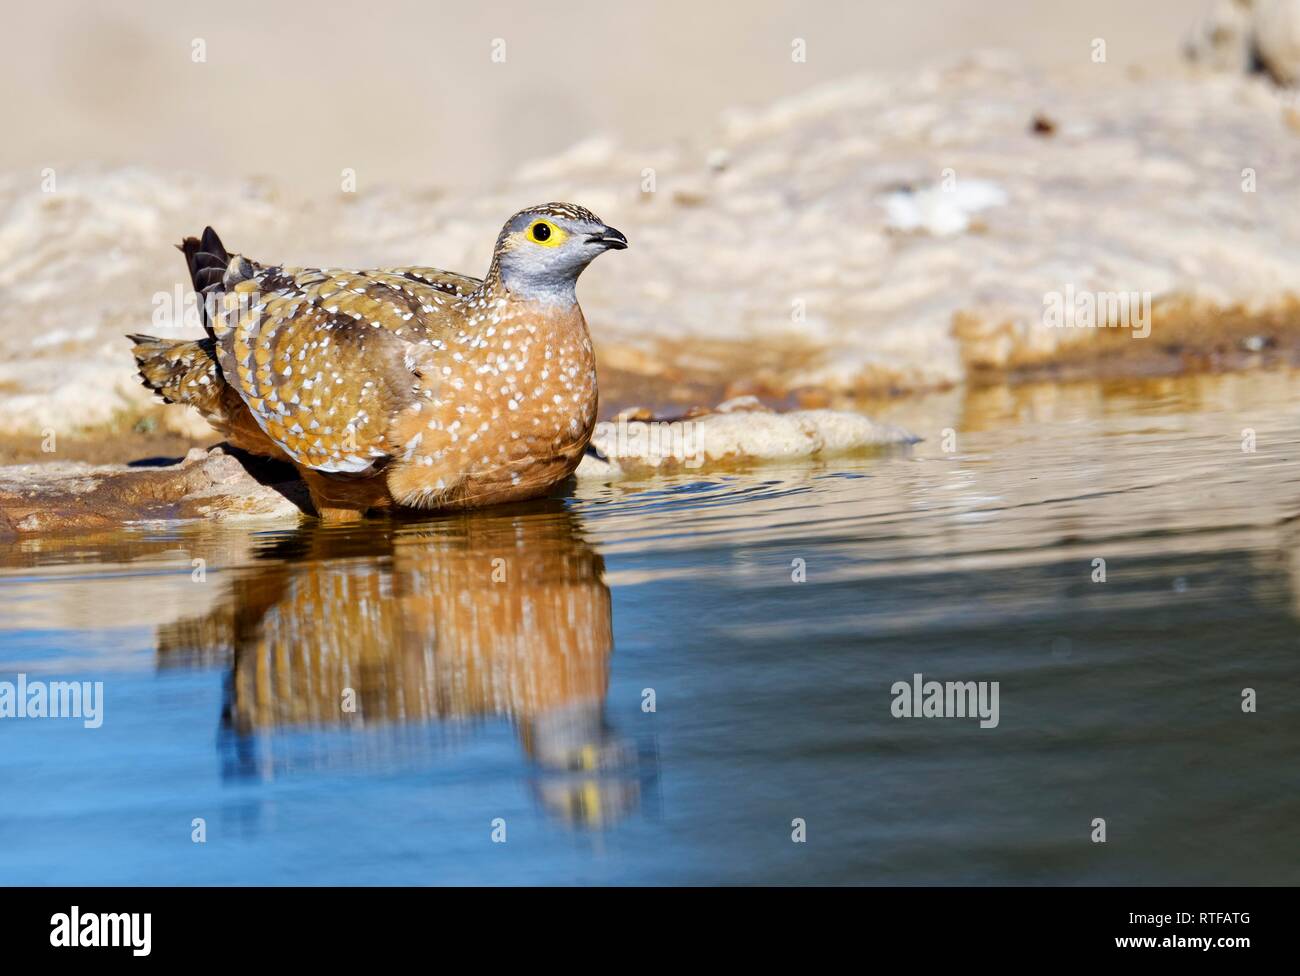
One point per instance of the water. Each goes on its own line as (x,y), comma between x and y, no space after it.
(501,666)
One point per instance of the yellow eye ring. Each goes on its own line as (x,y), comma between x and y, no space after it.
(545,233)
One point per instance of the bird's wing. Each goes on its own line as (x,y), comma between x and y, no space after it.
(447,282)
(323,358)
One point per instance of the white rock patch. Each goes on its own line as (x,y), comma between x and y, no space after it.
(732,435)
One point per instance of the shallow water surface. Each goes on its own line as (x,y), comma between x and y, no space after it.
(373,704)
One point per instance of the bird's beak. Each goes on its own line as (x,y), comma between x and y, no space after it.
(609,238)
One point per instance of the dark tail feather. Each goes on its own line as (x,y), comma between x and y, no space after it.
(180,370)
(207,259)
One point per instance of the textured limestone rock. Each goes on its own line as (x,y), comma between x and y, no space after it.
(1242,35)
(741,430)
(1223,40)
(1277,38)
(62,496)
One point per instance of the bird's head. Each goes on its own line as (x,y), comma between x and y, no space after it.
(542,250)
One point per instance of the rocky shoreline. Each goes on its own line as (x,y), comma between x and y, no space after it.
(222,485)
(73,496)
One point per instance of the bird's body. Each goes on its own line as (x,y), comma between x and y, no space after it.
(406,386)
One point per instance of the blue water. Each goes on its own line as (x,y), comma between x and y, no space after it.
(519,699)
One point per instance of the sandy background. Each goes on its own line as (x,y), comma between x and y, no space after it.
(408,91)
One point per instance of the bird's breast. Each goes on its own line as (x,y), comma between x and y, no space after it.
(507,405)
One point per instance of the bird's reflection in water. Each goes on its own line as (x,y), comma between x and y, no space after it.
(501,613)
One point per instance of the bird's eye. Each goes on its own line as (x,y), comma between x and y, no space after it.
(546,233)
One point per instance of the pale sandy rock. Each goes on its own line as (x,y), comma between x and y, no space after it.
(737,431)
(1277,37)
(1223,40)
(72,496)
(941,210)
(1241,35)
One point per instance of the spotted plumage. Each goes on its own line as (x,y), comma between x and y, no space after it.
(409,386)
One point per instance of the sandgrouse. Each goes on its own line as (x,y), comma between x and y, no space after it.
(409,387)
